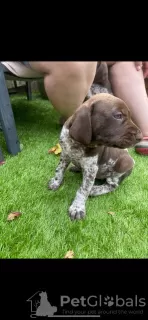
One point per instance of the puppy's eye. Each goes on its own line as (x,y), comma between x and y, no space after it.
(118,115)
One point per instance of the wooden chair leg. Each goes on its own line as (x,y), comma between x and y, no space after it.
(6,118)
(28,90)
(15,84)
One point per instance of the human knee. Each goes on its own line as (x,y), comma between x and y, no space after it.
(40,66)
(122,67)
(76,71)
(123,73)
(67,70)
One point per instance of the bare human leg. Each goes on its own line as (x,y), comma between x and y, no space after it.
(128,84)
(66,83)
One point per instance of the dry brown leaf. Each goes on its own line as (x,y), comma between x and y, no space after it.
(52,150)
(69,254)
(112,213)
(56,149)
(13,215)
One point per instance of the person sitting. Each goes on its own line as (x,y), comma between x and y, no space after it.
(67,84)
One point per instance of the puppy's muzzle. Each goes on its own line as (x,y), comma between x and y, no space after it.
(139,136)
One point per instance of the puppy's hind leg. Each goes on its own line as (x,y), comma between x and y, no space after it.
(111,184)
(103,189)
(57,180)
(122,169)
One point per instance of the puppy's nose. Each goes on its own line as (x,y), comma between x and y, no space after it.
(139,136)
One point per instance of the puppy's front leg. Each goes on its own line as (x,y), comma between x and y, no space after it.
(55,182)
(89,168)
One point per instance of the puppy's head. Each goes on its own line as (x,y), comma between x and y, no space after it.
(104,120)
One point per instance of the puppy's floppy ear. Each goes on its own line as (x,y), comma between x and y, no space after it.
(81,128)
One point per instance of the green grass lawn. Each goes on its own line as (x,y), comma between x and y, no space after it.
(44,229)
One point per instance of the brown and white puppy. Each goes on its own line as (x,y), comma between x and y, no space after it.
(101,83)
(94,140)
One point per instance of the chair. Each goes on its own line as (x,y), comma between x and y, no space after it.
(1,157)
(6,113)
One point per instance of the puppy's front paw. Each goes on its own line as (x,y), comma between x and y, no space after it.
(53,184)
(76,212)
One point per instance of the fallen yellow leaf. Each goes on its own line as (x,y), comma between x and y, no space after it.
(112,213)
(56,149)
(52,150)
(69,254)
(13,215)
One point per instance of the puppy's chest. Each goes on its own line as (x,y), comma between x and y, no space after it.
(71,148)
(76,153)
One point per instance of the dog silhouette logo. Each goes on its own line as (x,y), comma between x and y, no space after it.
(40,306)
